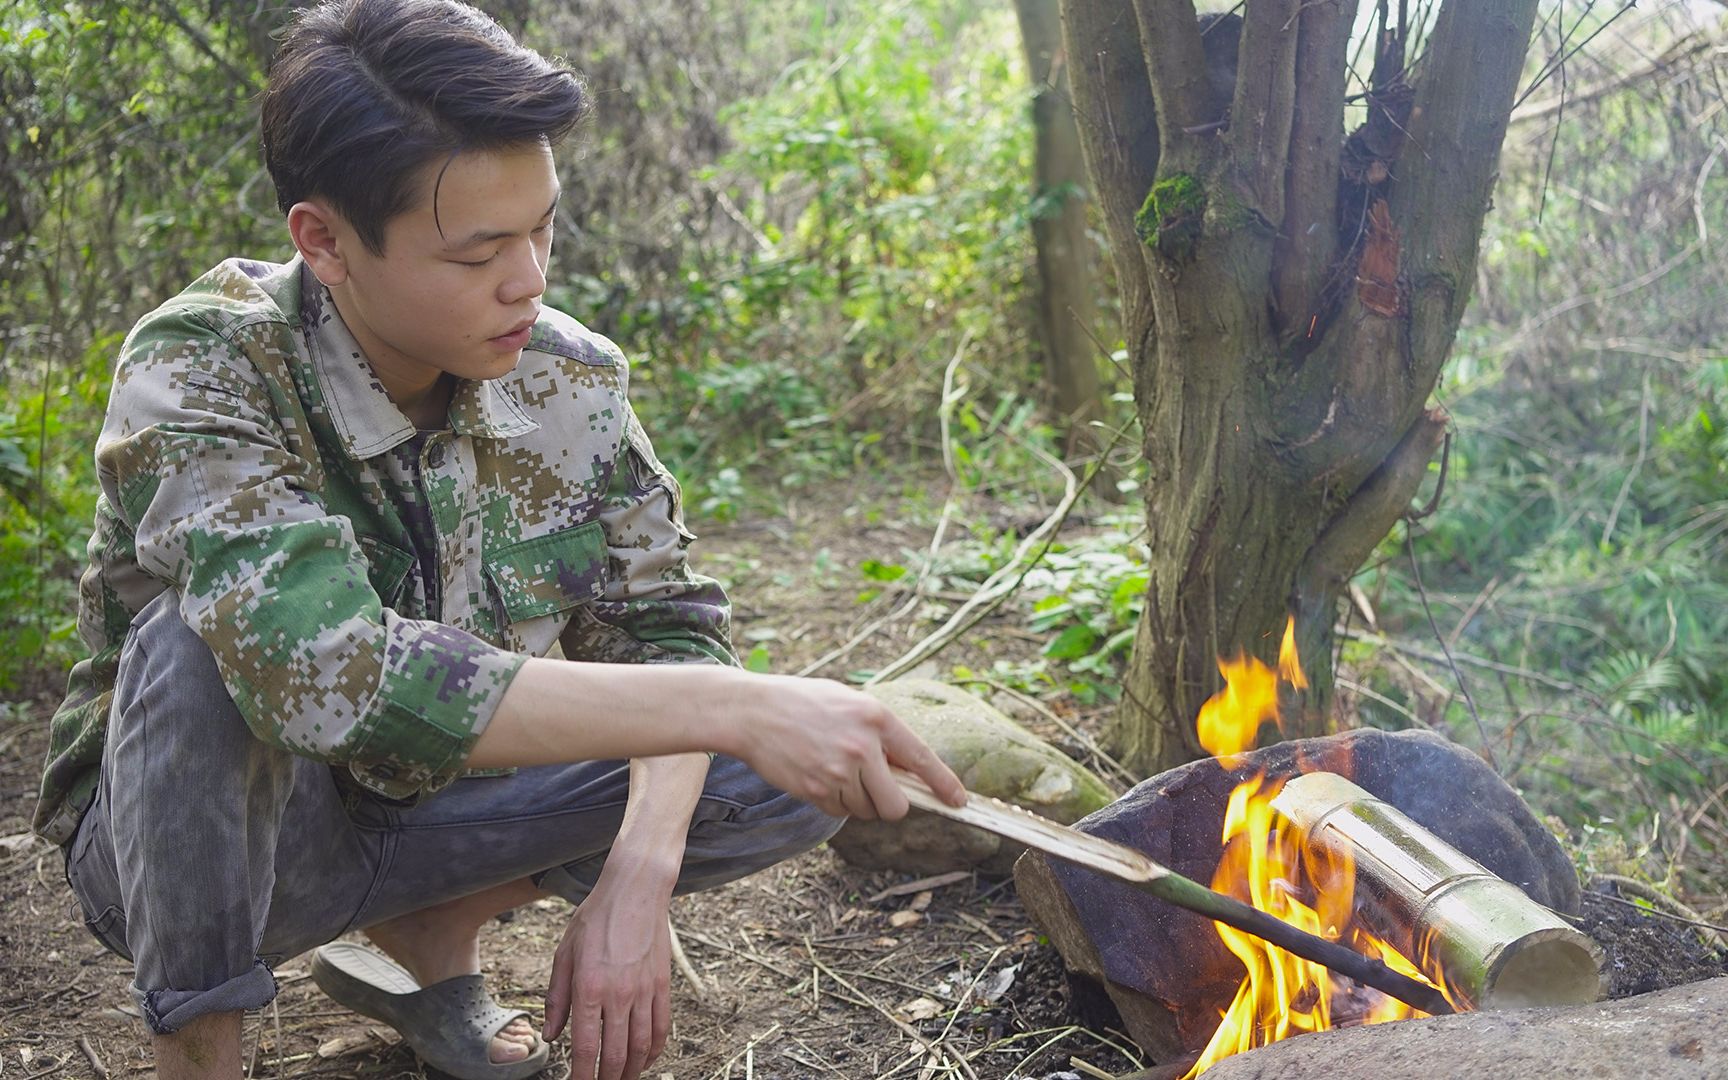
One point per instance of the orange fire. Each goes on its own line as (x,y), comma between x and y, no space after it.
(1265,864)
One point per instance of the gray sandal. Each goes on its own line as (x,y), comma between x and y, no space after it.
(450,1024)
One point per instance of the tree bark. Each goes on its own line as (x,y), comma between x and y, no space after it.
(1067,301)
(1289,297)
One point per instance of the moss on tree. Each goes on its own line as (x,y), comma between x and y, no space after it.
(1171,218)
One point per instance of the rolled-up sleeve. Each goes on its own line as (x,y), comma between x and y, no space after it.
(196,462)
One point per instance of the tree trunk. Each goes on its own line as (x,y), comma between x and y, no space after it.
(1067,304)
(1289,297)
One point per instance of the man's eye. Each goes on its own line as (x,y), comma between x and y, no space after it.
(482,262)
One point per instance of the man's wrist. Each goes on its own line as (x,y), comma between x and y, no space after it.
(729,728)
(644,871)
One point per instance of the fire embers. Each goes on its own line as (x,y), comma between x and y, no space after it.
(1266,864)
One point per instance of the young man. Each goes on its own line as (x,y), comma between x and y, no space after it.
(349,504)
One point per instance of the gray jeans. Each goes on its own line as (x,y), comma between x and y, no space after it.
(209,856)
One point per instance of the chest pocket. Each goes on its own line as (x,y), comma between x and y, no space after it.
(548,574)
(386,568)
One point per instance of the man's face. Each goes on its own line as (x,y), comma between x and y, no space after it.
(460,280)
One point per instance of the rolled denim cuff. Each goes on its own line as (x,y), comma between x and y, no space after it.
(167,1011)
(559,881)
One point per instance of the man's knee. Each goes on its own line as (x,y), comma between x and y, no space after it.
(746,817)
(166,670)
(160,646)
(805,827)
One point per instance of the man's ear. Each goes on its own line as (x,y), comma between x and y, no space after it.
(316,229)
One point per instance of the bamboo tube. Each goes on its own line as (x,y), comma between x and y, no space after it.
(1497,947)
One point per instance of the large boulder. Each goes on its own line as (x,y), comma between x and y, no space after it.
(993,756)
(1676,1034)
(1165,968)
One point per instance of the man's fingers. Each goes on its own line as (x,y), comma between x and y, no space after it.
(585,1033)
(640,1038)
(889,801)
(850,804)
(661,1024)
(615,1042)
(557,996)
(908,751)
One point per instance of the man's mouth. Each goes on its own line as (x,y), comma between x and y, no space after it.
(517,336)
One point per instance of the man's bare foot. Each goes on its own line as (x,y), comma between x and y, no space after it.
(442,942)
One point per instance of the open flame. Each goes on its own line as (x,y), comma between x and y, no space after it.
(1266,864)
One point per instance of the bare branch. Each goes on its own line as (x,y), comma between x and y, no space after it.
(1308,234)
(1446,172)
(1265,101)
(1375,507)
(1118,128)
(1700,44)
(1176,64)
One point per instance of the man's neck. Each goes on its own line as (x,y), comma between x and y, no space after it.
(422,393)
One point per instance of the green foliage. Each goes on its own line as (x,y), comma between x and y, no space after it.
(48,500)
(885,177)
(122,130)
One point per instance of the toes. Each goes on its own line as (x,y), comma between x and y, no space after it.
(505,1051)
(516,1041)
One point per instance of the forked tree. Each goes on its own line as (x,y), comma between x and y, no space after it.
(1290,292)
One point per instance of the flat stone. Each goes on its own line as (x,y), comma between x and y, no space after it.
(1675,1034)
(993,756)
(1165,968)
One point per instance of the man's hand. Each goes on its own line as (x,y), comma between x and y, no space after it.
(831,745)
(611,981)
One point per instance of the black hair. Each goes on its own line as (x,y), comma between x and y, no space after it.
(363,93)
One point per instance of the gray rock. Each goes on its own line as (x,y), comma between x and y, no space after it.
(1165,968)
(993,756)
(1676,1034)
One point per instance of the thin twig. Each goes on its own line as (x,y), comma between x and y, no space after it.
(682,962)
(1439,483)
(749,1048)
(1653,910)
(1372,695)
(1464,658)
(967,996)
(902,1026)
(1416,576)
(996,588)
(950,397)
(1083,1066)
(59,1064)
(89,1053)
(1637,464)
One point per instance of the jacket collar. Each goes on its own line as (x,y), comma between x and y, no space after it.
(366,421)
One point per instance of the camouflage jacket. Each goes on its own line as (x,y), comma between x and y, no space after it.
(250,460)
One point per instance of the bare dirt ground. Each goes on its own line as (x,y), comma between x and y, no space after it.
(814,968)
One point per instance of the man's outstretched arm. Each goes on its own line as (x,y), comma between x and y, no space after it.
(823,742)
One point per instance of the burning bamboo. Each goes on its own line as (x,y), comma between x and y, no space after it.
(1496,946)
